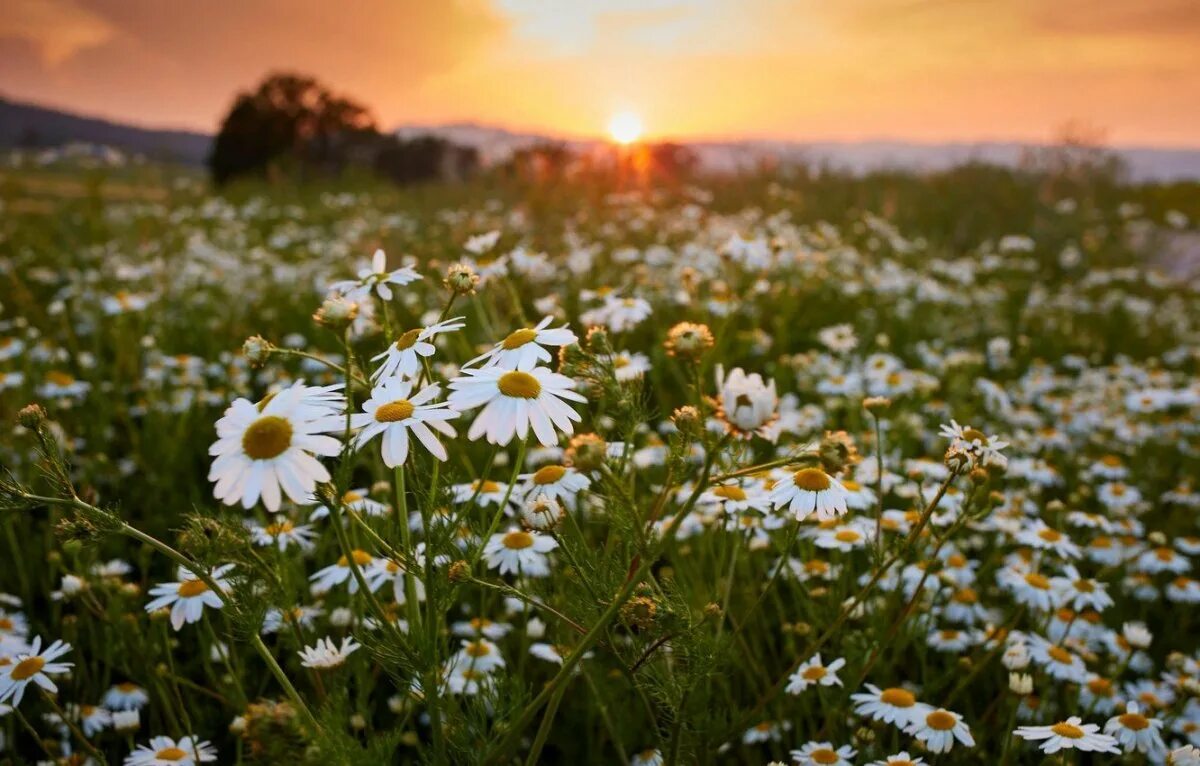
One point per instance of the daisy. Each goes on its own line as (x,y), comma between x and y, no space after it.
(1045,538)
(812,672)
(164,751)
(33,666)
(651,756)
(899,759)
(485,492)
(338,573)
(843,537)
(358,500)
(557,482)
(938,729)
(282,534)
(515,401)
(1032,589)
(810,490)
(265,447)
(823,754)
(745,404)
(375,279)
(390,413)
(738,498)
(92,719)
(1136,732)
(767,731)
(1079,593)
(480,654)
(629,365)
(325,654)
(125,696)
(1071,734)
(895,706)
(519,552)
(463,679)
(402,359)
(524,348)
(1058,662)
(188,597)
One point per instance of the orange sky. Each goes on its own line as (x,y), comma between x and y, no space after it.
(925,70)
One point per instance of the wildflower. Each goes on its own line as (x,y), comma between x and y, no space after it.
(1079,592)
(1020,683)
(1045,538)
(812,672)
(282,534)
(823,754)
(895,706)
(557,482)
(461,279)
(524,348)
(164,751)
(938,729)
(126,721)
(375,279)
(514,401)
(336,313)
(32,666)
(746,404)
(338,573)
(402,358)
(263,448)
(390,414)
(651,756)
(810,490)
(688,341)
(542,513)
(325,654)
(1135,731)
(125,696)
(899,759)
(519,552)
(480,654)
(1071,734)
(188,596)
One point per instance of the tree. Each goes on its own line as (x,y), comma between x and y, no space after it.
(289,116)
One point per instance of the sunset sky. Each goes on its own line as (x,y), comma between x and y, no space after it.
(924,70)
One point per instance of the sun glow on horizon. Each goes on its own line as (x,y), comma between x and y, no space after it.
(625,127)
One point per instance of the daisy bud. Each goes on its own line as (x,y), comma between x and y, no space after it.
(979,476)
(1016,657)
(31,416)
(461,279)
(1020,683)
(587,452)
(876,405)
(864,736)
(381,488)
(460,571)
(257,350)
(541,514)
(341,617)
(686,419)
(1055,507)
(688,340)
(639,612)
(535,628)
(1136,634)
(837,452)
(597,340)
(712,609)
(336,313)
(957,459)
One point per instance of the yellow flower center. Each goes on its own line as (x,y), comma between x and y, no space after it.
(267,438)
(190,588)
(1039,581)
(1134,721)
(823,755)
(1084,586)
(548,474)
(6,624)
(973,435)
(27,668)
(392,412)
(1049,535)
(815,673)
(477,649)
(847,536)
(486,486)
(274,530)
(897,697)
(1060,655)
(811,479)
(59,378)
(518,339)
(361,557)
(1101,686)
(1067,730)
(170,754)
(519,385)
(730,492)
(127,687)
(966,596)
(408,339)
(518,540)
(940,720)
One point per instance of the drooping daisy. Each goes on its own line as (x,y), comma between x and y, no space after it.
(1135,731)
(557,482)
(1071,734)
(895,706)
(402,359)
(823,754)
(810,490)
(375,278)
(390,413)
(746,404)
(188,597)
(514,401)
(938,729)
(271,446)
(519,552)
(524,348)
(164,751)
(125,696)
(326,654)
(813,672)
(33,666)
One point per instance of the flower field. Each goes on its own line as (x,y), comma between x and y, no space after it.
(813,470)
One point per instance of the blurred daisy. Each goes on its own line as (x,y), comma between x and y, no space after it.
(519,552)
(938,729)
(899,759)
(125,696)
(823,754)
(390,413)
(34,666)
(480,654)
(515,401)
(326,654)
(813,672)
(1136,732)
(375,279)
(524,348)
(164,751)
(188,597)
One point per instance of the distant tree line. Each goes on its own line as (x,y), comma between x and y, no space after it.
(293,123)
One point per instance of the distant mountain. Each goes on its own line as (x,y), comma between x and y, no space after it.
(30,126)
(35,126)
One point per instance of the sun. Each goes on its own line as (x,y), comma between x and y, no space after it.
(625,127)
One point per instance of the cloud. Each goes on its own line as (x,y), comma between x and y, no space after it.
(57,29)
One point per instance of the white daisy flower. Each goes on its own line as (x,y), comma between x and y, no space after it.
(375,279)
(938,729)
(479,654)
(808,491)
(899,759)
(519,552)
(263,448)
(188,597)
(164,751)
(390,413)
(557,482)
(402,359)
(515,401)
(338,573)
(1136,732)
(651,756)
(894,705)
(1079,592)
(125,696)
(326,654)
(33,666)
(823,754)
(524,348)
(813,673)
(282,534)
(1071,734)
